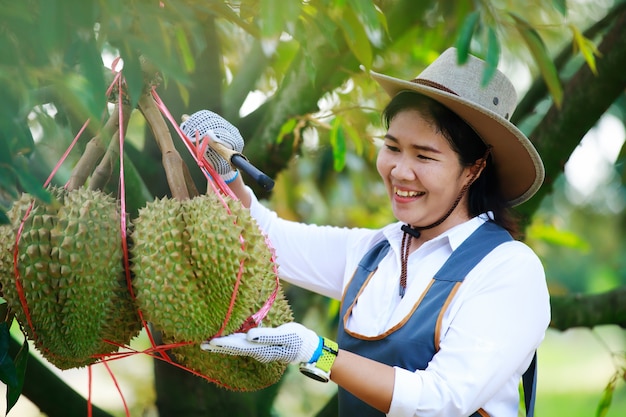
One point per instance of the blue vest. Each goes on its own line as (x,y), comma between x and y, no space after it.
(419,334)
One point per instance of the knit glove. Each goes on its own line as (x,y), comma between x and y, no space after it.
(288,343)
(208,123)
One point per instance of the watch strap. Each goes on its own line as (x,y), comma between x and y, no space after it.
(320,368)
(330,349)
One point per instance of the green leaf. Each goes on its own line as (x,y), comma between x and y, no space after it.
(586,47)
(538,50)
(607,398)
(185,50)
(493,56)
(51,25)
(4,219)
(21,361)
(8,373)
(93,70)
(274,15)
(353,134)
(184,93)
(7,179)
(338,143)
(554,236)
(271,18)
(32,185)
(285,129)
(356,37)
(560,6)
(5,150)
(465,36)
(367,12)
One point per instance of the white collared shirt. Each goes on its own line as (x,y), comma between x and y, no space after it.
(490,330)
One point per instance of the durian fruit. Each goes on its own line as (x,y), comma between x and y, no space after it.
(186,259)
(70,266)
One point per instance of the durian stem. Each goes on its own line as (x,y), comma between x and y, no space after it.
(104,170)
(176,171)
(93,152)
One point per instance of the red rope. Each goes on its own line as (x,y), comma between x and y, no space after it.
(117,386)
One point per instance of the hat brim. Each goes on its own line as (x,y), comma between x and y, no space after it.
(517,163)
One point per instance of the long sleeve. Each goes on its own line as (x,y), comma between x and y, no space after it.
(310,256)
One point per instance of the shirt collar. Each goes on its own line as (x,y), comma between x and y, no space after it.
(453,236)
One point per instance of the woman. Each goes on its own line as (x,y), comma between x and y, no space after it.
(442,311)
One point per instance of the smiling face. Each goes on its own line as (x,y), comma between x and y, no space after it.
(422,173)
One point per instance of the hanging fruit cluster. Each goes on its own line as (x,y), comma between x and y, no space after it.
(189,259)
(67,284)
(197,266)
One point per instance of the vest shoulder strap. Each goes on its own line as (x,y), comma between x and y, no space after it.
(464,258)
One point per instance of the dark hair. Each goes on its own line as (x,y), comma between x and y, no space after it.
(484,194)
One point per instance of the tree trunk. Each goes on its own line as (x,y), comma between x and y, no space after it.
(180,393)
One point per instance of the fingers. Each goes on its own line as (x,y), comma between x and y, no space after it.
(275,334)
(221,166)
(238,344)
(233,341)
(228,139)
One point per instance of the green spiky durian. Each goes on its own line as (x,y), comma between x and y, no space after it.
(238,373)
(70,267)
(186,259)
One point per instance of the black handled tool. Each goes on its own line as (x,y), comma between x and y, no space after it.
(238,160)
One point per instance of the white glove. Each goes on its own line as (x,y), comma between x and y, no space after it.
(290,342)
(205,121)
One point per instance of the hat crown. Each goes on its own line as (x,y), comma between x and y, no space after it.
(466,81)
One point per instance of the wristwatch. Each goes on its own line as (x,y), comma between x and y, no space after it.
(320,369)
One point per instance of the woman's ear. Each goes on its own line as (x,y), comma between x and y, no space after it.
(478,168)
(475,170)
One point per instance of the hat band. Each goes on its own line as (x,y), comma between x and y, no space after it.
(433,84)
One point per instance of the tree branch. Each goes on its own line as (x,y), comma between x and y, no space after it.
(95,149)
(585,98)
(580,310)
(103,172)
(176,170)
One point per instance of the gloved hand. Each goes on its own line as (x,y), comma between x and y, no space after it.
(205,121)
(290,342)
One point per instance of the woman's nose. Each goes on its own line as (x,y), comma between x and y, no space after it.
(403,169)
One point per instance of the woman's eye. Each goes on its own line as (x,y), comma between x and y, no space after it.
(424,157)
(392,148)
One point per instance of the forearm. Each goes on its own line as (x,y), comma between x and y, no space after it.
(239,188)
(368,380)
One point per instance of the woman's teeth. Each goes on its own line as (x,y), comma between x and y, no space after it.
(406,193)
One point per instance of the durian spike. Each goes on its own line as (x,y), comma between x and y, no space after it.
(176,171)
(93,152)
(104,170)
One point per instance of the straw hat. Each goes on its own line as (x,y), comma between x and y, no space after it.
(487,110)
